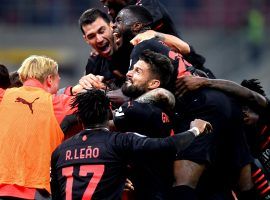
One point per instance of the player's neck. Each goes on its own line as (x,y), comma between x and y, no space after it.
(97,127)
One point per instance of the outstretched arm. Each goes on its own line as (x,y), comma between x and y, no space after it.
(136,143)
(175,44)
(190,83)
(170,40)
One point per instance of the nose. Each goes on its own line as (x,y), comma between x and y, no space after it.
(99,38)
(129,74)
(113,25)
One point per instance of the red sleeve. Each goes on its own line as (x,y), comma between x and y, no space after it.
(68,91)
(61,106)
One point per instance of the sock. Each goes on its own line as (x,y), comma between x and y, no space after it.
(183,192)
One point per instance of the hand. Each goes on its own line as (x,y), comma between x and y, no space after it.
(143,36)
(77,89)
(92,81)
(128,185)
(184,84)
(203,126)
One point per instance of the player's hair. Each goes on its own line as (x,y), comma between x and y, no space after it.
(4,77)
(37,67)
(140,14)
(15,79)
(160,66)
(90,15)
(254,85)
(92,107)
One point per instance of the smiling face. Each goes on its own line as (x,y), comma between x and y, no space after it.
(139,80)
(122,27)
(99,35)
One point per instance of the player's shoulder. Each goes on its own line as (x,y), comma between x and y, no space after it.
(151,43)
(96,58)
(136,107)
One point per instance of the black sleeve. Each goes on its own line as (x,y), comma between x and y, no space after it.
(55,188)
(90,67)
(152,44)
(136,143)
(154,8)
(206,104)
(162,20)
(198,61)
(129,115)
(194,58)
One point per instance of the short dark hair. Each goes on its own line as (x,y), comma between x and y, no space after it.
(160,66)
(92,106)
(254,85)
(90,15)
(4,77)
(15,79)
(140,14)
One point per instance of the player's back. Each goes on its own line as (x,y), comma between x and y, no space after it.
(88,165)
(156,169)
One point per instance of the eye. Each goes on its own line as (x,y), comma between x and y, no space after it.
(90,36)
(137,71)
(102,30)
(118,19)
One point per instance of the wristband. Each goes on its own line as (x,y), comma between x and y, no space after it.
(195,131)
(71,91)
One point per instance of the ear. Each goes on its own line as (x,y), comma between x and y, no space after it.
(49,80)
(136,27)
(85,39)
(153,84)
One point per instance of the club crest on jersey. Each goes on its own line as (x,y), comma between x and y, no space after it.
(164,118)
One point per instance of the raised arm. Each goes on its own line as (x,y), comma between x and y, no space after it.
(170,40)
(190,83)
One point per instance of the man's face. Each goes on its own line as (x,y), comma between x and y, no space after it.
(113,6)
(55,84)
(138,80)
(99,35)
(122,27)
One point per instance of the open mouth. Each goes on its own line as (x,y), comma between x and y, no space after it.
(128,82)
(105,49)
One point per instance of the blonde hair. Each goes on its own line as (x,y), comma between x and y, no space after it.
(37,67)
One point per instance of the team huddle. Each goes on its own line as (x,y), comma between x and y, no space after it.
(147,121)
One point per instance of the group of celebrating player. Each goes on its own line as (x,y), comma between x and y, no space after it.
(148,118)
